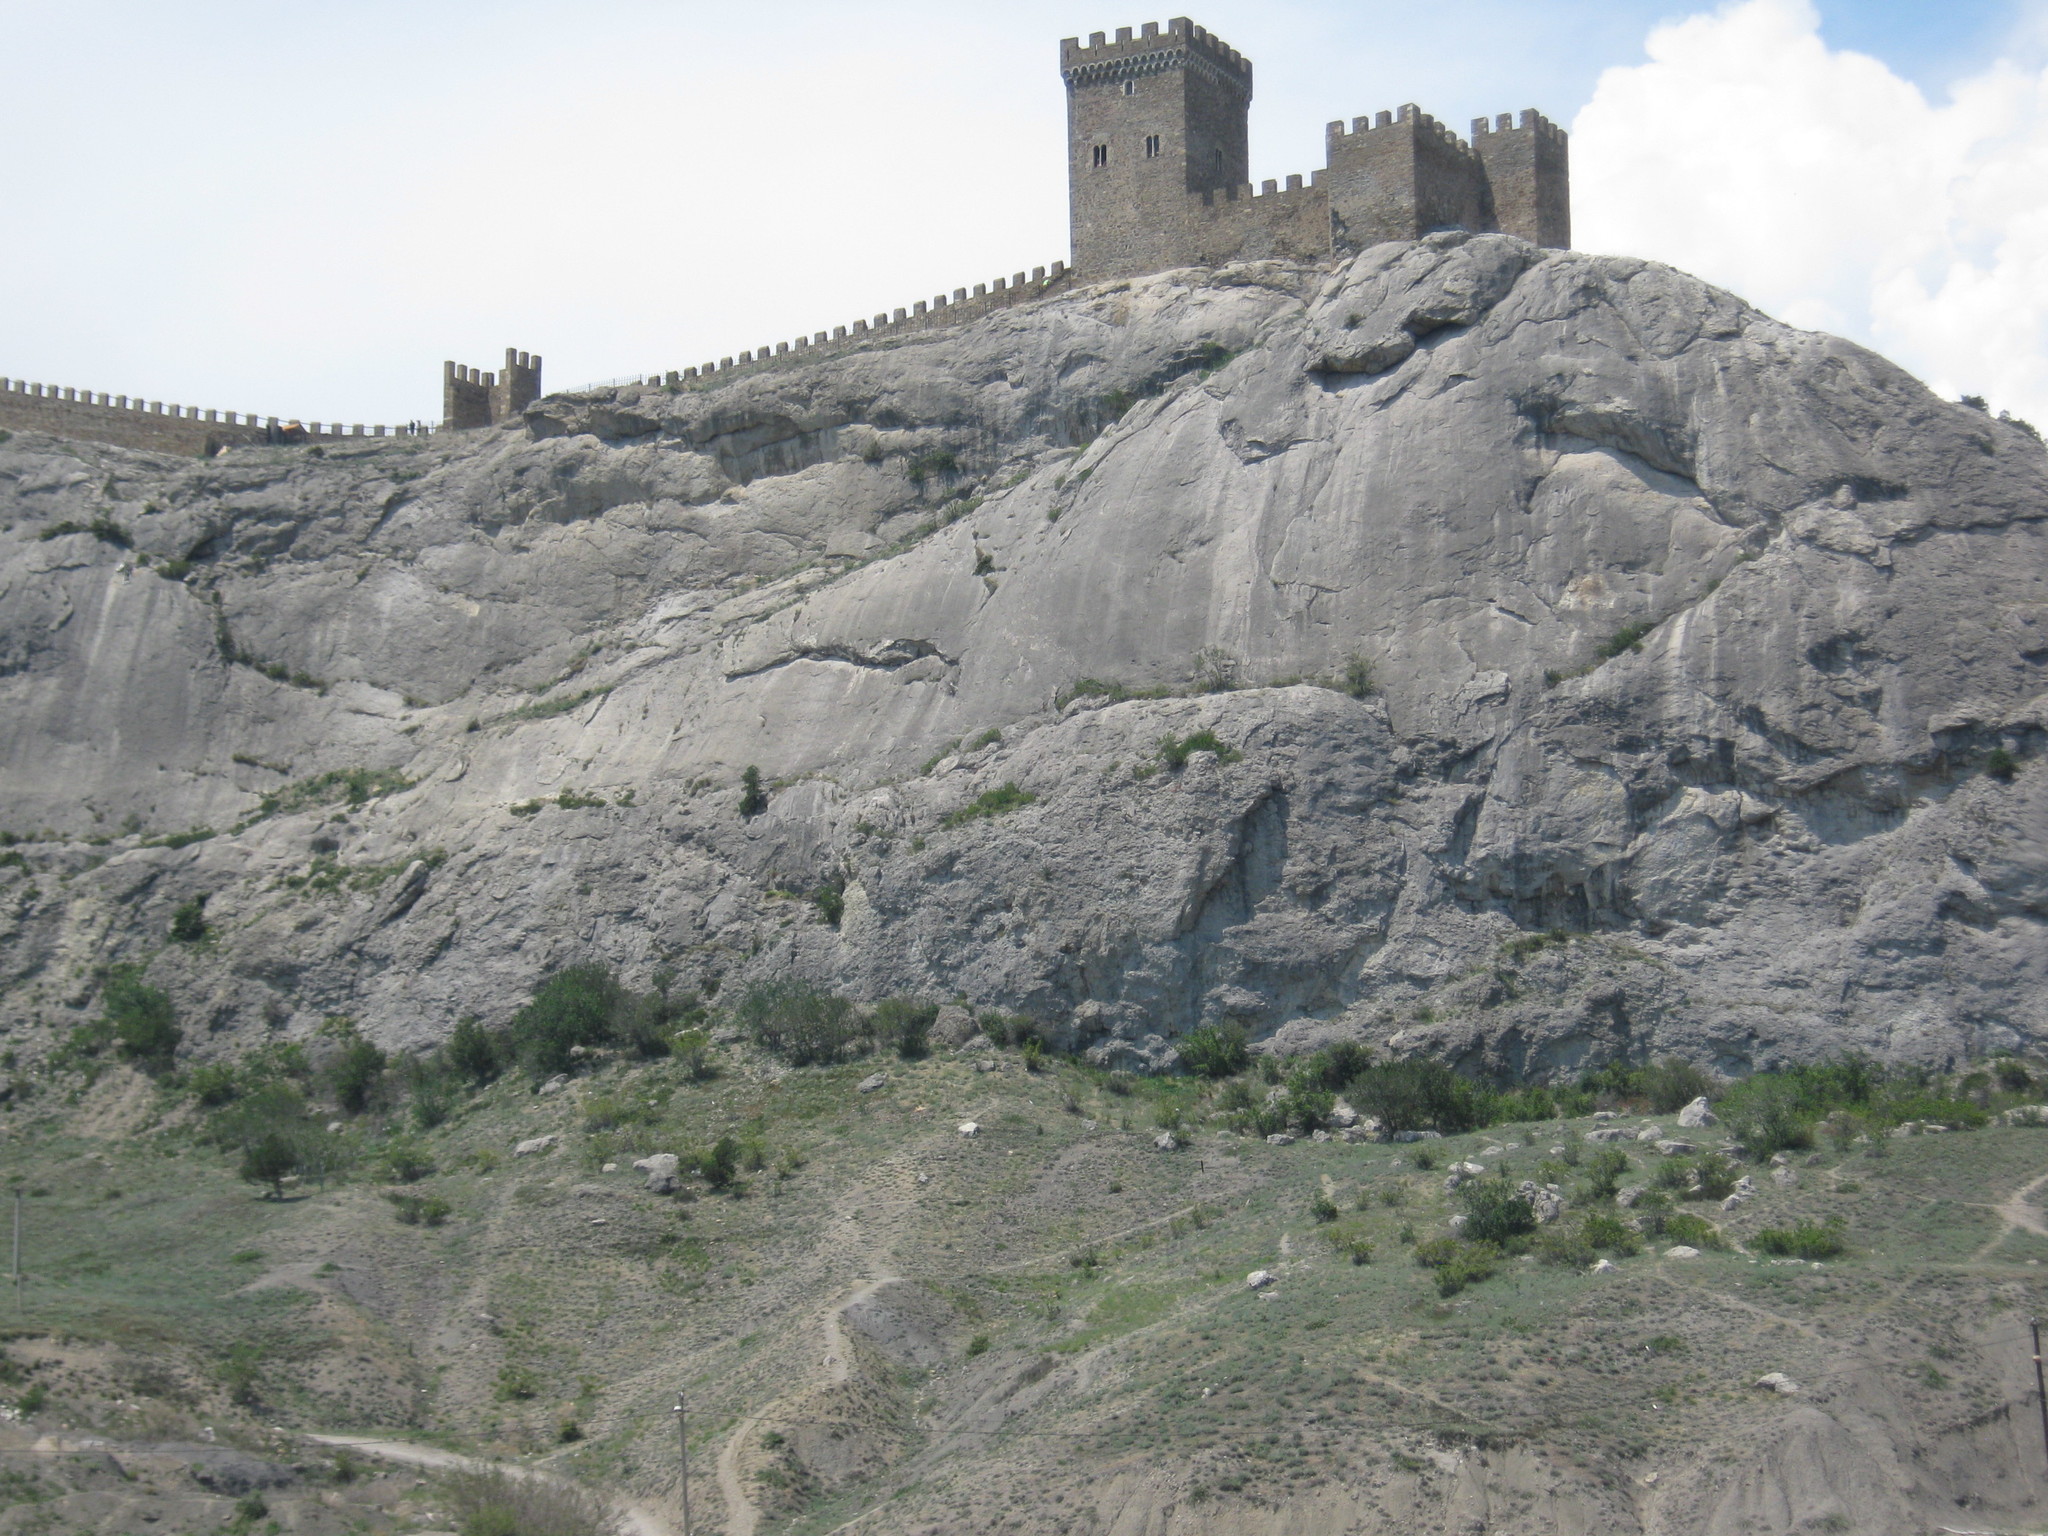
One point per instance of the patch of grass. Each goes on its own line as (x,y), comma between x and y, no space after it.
(1627,638)
(989,804)
(1804,1240)
(1174,752)
(353,787)
(547,709)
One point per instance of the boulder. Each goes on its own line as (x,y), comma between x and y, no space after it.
(1784,1176)
(534,1145)
(1602,1114)
(1734,1201)
(1280,1139)
(871,1082)
(954,1027)
(1626,1198)
(1681,1251)
(1166,1141)
(1319,1136)
(1405,1136)
(1458,1222)
(1611,1133)
(1604,1267)
(1697,1114)
(663,1170)
(1343,1116)
(1371,1128)
(1546,1200)
(969,1128)
(555,1084)
(1650,1133)
(1677,1148)
(1459,1173)
(1778,1382)
(1259,1279)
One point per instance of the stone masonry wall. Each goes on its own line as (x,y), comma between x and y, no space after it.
(147,424)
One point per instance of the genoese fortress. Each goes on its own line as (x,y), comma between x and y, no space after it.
(1158,168)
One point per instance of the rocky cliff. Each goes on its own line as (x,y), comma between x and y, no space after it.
(1592,666)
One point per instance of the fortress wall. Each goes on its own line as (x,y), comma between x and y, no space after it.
(1291,223)
(938,313)
(147,424)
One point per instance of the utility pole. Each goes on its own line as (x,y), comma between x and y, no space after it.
(2040,1389)
(683,1437)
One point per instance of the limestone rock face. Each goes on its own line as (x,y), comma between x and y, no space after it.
(1616,672)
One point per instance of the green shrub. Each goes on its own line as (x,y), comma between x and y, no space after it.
(356,1074)
(1807,1240)
(141,1020)
(1175,751)
(1357,677)
(1566,1246)
(1033,1054)
(1216,1050)
(1494,1212)
(991,803)
(576,1006)
(213,1084)
(1611,1234)
(475,1052)
(1457,1262)
(1323,1208)
(2001,764)
(188,922)
(905,1024)
(418,1210)
(720,1166)
(1671,1084)
(1688,1229)
(1627,638)
(978,1345)
(692,1050)
(830,900)
(1604,1170)
(1419,1096)
(803,1024)
(405,1161)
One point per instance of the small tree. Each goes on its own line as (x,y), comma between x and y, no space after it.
(271,1158)
(475,1052)
(721,1165)
(145,1025)
(753,800)
(356,1074)
(188,922)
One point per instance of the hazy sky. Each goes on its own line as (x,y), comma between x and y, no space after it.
(303,210)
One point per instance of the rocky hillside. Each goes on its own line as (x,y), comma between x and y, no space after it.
(1273,645)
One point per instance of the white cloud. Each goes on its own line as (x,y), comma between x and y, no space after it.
(1822,187)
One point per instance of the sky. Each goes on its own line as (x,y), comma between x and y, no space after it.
(303,211)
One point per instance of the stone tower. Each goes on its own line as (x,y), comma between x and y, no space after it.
(473,398)
(1151,119)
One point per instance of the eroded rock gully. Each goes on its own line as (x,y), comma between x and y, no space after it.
(1691,635)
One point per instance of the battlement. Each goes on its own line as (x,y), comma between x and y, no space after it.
(1407,118)
(1182,45)
(151,424)
(940,311)
(1532,122)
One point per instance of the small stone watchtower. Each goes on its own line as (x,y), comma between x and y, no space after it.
(1151,120)
(1158,166)
(470,398)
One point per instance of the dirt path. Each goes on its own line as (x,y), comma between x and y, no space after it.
(2017,1216)
(635,1519)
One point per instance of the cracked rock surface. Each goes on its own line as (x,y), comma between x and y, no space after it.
(1705,715)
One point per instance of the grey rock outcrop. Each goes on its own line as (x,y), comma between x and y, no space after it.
(1688,635)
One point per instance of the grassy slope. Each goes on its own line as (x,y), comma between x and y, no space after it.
(1145,1380)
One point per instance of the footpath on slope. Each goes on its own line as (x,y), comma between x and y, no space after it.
(635,1519)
